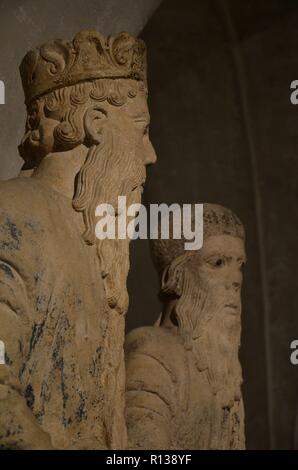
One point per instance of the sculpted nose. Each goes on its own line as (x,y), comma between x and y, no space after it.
(150,155)
(234,282)
(236,285)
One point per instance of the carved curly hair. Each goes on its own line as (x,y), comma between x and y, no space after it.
(68,105)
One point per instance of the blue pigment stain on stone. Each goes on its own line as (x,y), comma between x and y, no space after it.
(10,236)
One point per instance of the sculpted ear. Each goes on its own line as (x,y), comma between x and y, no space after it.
(94,120)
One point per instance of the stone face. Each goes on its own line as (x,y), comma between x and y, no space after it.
(183,388)
(63,296)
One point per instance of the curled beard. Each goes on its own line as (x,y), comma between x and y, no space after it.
(212,335)
(110,170)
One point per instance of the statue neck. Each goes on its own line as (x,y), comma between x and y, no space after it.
(168,310)
(59,170)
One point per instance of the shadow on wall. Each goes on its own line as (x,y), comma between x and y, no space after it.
(224,133)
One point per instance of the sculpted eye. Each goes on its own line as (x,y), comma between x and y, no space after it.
(216,262)
(143,125)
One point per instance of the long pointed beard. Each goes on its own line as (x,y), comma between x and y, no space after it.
(110,170)
(114,257)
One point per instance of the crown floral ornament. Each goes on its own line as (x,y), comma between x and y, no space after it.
(89,56)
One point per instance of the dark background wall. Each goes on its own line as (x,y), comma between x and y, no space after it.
(225,131)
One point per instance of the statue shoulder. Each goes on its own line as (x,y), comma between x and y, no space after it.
(23,199)
(17,192)
(21,206)
(157,342)
(156,362)
(154,335)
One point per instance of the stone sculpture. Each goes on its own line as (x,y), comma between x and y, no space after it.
(63,294)
(184,377)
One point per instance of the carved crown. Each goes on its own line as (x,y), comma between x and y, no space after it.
(90,55)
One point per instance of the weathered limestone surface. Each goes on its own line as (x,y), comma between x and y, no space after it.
(63,294)
(184,377)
